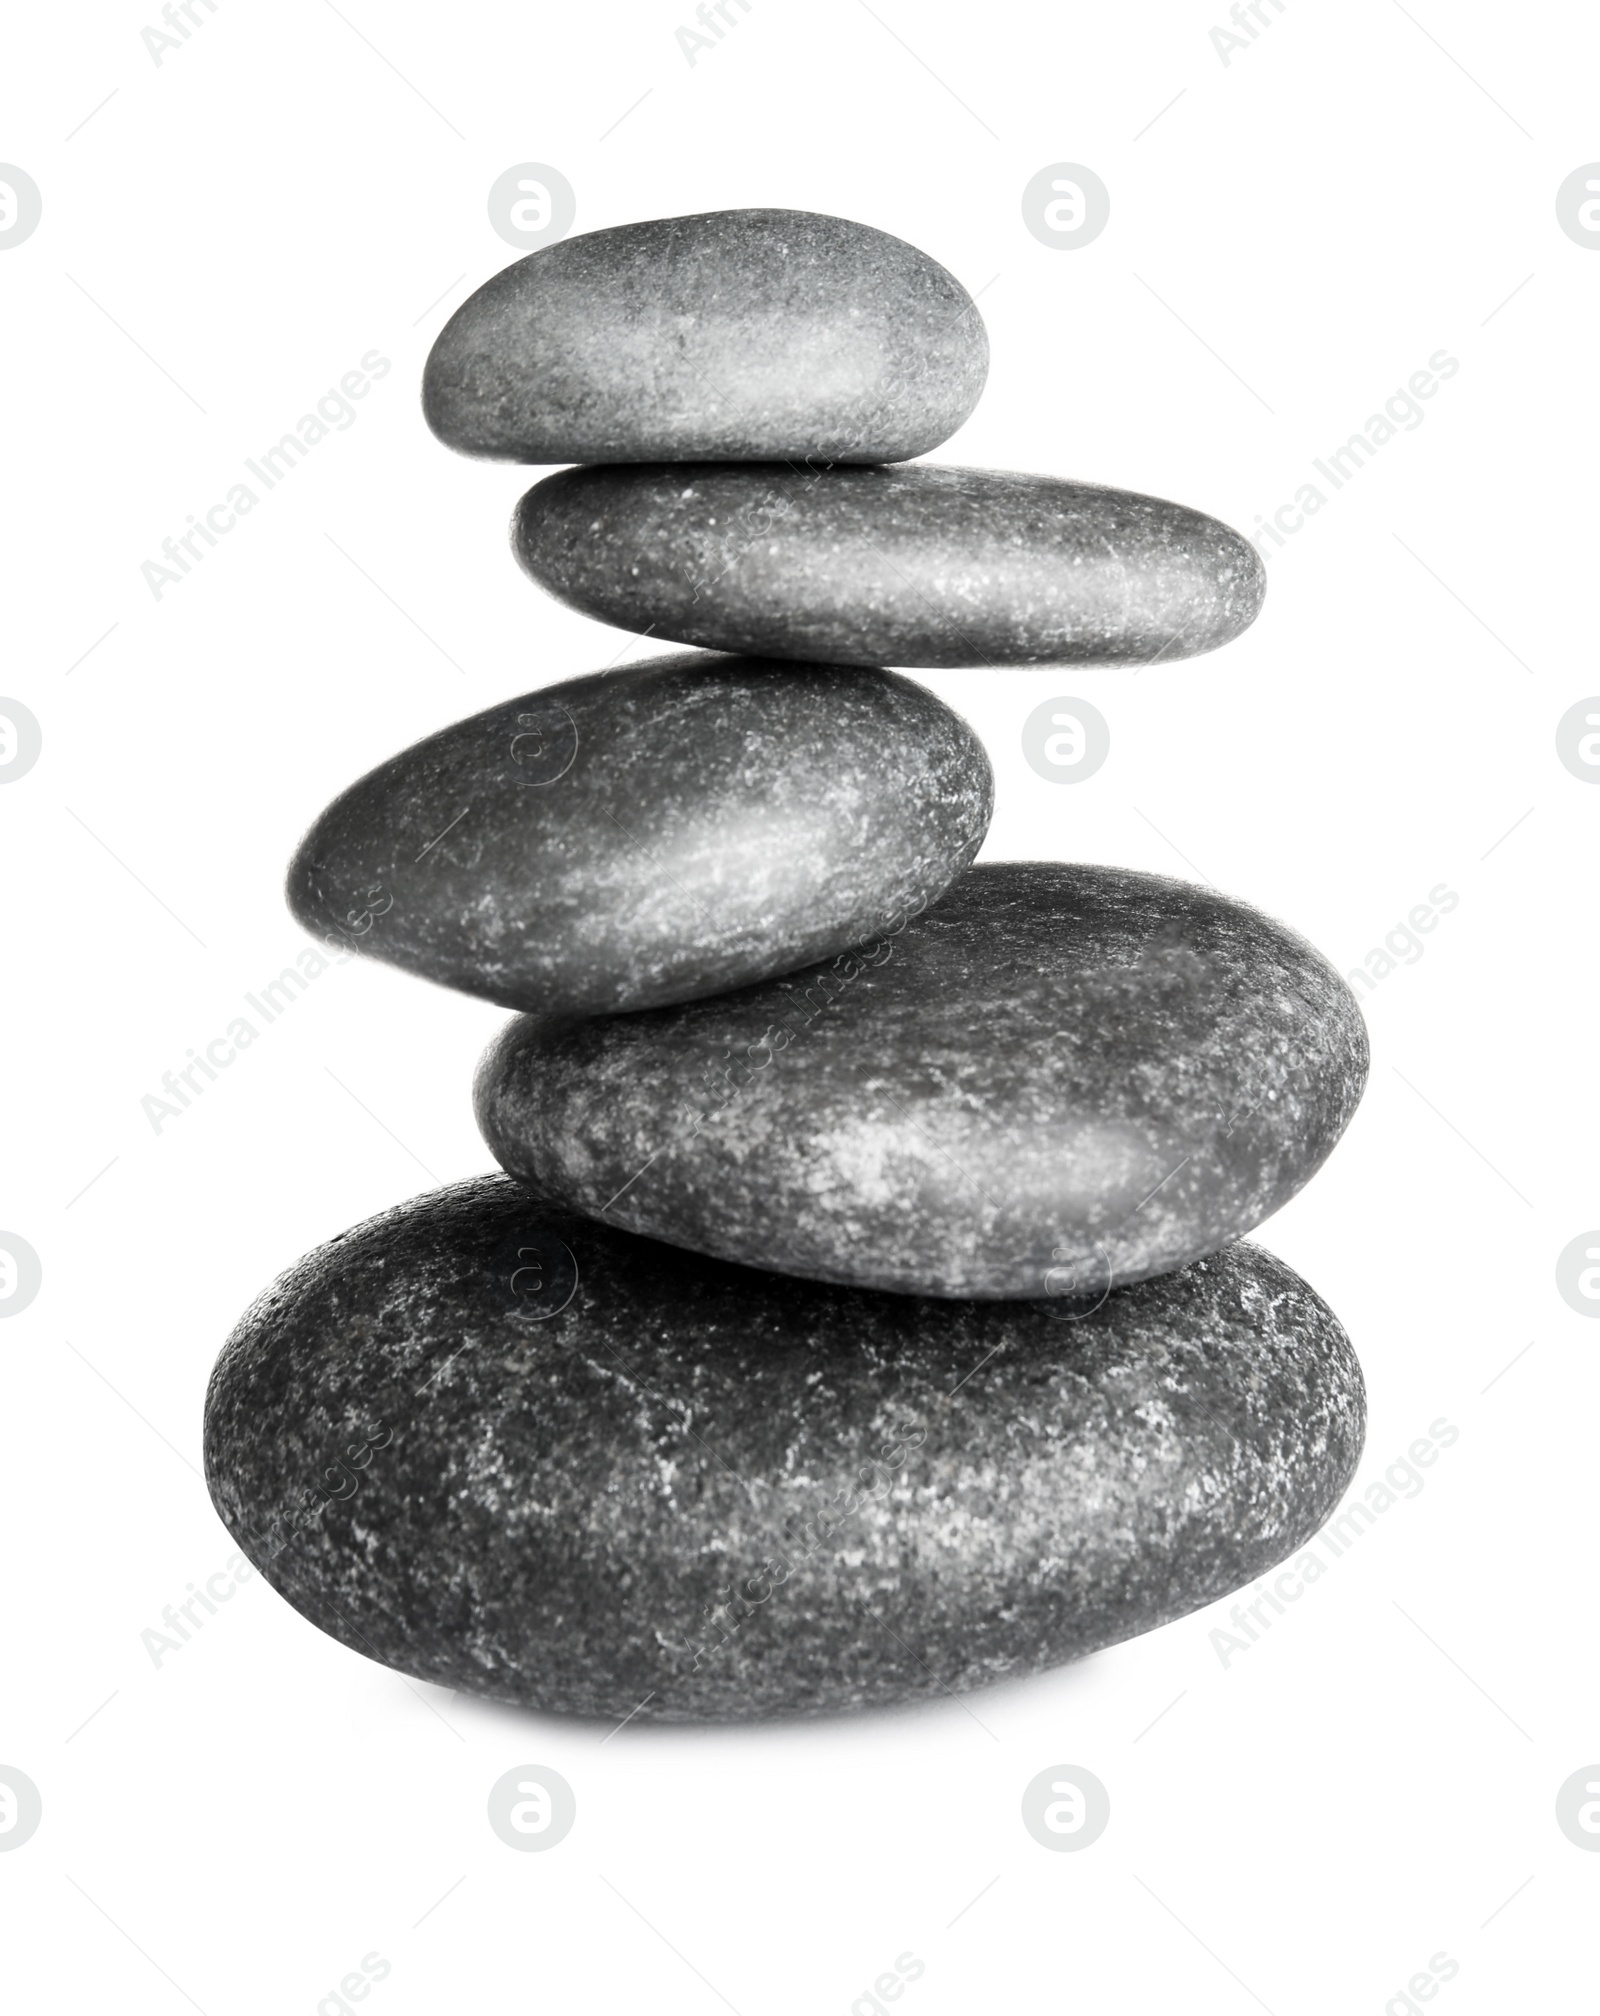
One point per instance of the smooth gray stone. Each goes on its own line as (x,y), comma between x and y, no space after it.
(745,334)
(526,1456)
(629,838)
(1056,1079)
(931,566)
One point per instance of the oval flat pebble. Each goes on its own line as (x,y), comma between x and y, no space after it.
(1055,1079)
(522,1455)
(629,838)
(735,333)
(930,566)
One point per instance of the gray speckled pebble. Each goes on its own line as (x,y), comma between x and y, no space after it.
(736,333)
(696,1493)
(1056,1078)
(929,566)
(646,835)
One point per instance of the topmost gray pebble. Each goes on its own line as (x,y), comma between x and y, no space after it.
(734,335)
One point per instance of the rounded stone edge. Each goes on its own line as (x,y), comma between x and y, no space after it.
(296,1284)
(492,1078)
(1248,595)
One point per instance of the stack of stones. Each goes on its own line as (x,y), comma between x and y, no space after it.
(863,1315)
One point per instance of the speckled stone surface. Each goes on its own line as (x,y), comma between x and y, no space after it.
(692,1492)
(1054,1079)
(930,566)
(670,829)
(735,333)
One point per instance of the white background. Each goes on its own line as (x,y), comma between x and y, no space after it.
(1373,1782)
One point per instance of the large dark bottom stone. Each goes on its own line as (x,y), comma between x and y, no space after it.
(519,1453)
